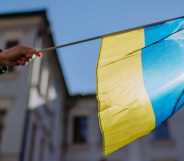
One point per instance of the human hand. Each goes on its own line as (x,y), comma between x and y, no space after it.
(18,55)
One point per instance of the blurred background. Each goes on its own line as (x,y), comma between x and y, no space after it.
(48,109)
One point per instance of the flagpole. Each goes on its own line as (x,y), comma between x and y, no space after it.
(103,35)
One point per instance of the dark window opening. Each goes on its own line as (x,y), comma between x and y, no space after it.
(80,129)
(10,44)
(2,116)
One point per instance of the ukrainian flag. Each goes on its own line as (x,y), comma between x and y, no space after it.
(140,81)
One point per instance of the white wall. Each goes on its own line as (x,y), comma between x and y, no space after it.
(15,86)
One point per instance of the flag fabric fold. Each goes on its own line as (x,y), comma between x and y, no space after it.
(140,81)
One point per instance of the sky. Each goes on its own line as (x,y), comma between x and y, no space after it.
(73,20)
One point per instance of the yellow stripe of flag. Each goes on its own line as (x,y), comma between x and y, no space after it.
(125,112)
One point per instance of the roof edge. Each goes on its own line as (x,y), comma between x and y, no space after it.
(41,12)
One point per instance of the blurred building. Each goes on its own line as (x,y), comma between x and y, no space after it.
(31,97)
(83,139)
(39,121)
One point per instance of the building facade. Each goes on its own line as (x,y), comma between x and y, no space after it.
(31,97)
(84,141)
(39,121)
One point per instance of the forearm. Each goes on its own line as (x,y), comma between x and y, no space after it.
(18,55)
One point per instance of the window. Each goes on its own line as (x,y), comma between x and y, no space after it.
(44,78)
(44,81)
(80,129)
(36,71)
(162,132)
(10,44)
(2,116)
(5,104)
